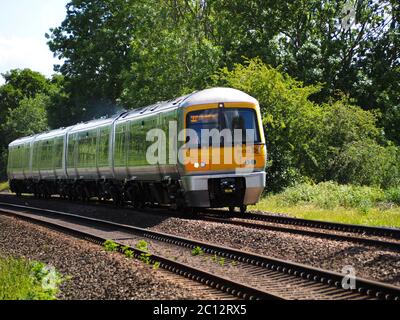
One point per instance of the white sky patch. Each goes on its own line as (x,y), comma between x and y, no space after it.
(24,52)
(23,24)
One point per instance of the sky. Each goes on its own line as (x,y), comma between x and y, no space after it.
(23,24)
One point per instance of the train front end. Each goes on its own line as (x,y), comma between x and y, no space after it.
(225,151)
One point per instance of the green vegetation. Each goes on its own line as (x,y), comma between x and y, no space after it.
(126,250)
(142,245)
(156,265)
(314,142)
(25,280)
(145,258)
(4,186)
(110,246)
(330,201)
(197,252)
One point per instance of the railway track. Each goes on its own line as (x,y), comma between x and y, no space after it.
(252,277)
(387,238)
(370,236)
(357,229)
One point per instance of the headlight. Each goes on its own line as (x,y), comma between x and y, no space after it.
(198,165)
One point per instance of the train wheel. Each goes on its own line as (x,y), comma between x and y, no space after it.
(243,209)
(232,210)
(192,212)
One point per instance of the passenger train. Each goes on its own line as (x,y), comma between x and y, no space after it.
(108,158)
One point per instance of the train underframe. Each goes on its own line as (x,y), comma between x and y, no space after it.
(222,193)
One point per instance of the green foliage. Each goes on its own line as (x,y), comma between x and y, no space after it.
(110,246)
(24,100)
(330,195)
(176,60)
(94,39)
(367,163)
(139,52)
(393,195)
(27,119)
(197,252)
(126,250)
(156,265)
(24,280)
(314,142)
(143,246)
(4,186)
(145,258)
(20,85)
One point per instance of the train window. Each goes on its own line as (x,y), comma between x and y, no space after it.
(224,118)
(202,120)
(103,147)
(242,119)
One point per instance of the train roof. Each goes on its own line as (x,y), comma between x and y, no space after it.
(207,96)
(219,95)
(213,95)
(52,134)
(40,136)
(92,124)
(21,141)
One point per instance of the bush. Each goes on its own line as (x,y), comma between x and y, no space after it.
(307,141)
(367,163)
(329,195)
(393,195)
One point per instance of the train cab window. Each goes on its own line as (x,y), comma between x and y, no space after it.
(242,119)
(224,118)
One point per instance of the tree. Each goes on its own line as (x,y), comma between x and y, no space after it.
(290,118)
(24,99)
(94,40)
(135,52)
(310,141)
(20,84)
(171,55)
(29,118)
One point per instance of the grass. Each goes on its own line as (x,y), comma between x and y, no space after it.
(4,186)
(25,280)
(110,246)
(329,201)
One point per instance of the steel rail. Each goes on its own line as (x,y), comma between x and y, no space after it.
(310,233)
(351,228)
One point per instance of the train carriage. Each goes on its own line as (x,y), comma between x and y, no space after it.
(109,158)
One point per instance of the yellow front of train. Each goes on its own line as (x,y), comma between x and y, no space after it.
(225,152)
